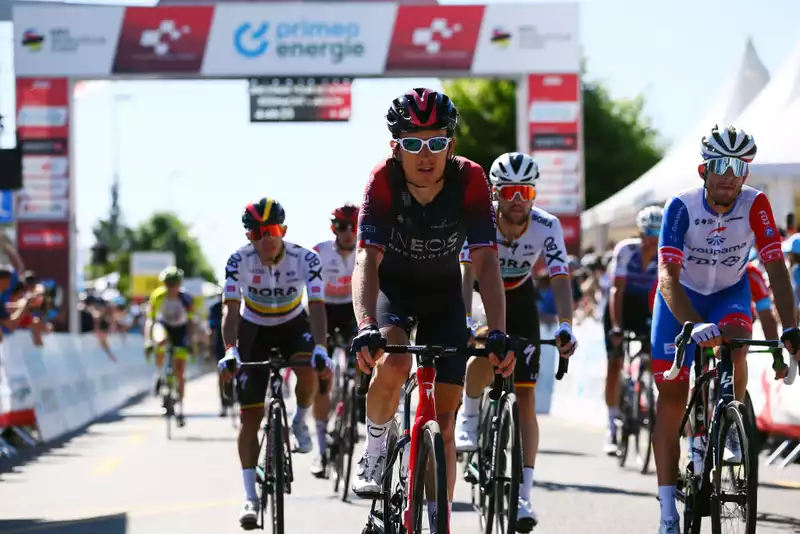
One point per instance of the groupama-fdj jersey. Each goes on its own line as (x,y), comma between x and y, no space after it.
(713,251)
(640,273)
(420,277)
(273,295)
(542,234)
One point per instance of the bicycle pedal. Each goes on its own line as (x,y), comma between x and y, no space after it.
(469,477)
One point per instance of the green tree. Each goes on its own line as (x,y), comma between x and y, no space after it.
(619,142)
(161,232)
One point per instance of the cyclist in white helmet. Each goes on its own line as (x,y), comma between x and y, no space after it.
(634,270)
(705,238)
(524,232)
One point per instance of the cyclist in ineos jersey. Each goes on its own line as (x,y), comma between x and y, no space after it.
(337,260)
(418,207)
(524,232)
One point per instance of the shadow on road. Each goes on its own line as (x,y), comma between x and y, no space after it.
(780,522)
(587,488)
(462,507)
(110,524)
(562,453)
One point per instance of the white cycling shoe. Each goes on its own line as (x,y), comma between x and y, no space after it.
(369,475)
(526,517)
(248,517)
(467,432)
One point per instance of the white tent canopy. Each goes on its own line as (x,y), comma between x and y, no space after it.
(772,119)
(678,169)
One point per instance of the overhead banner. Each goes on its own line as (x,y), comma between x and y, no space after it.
(368,38)
(43,210)
(554,122)
(300,99)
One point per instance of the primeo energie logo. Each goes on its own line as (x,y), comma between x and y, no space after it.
(334,41)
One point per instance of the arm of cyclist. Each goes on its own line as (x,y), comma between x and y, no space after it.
(561,283)
(231,299)
(670,262)
(481,226)
(768,243)
(373,236)
(317,318)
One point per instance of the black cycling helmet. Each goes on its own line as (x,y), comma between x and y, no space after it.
(263,213)
(422,109)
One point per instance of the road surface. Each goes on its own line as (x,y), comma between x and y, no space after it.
(121,476)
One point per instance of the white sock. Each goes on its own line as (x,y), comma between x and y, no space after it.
(669,510)
(470,406)
(322,430)
(432,516)
(376,437)
(249,478)
(613,414)
(299,415)
(527,483)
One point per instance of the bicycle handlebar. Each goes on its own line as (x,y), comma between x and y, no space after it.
(685,338)
(444,351)
(320,366)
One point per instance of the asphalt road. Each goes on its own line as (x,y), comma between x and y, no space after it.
(121,476)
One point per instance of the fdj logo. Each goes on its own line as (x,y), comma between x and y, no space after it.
(334,41)
(251,42)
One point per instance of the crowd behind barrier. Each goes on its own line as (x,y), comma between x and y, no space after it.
(68,382)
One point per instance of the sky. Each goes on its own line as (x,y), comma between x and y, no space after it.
(188,146)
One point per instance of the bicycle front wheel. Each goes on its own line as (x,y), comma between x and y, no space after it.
(734,500)
(277,469)
(430,460)
(507,469)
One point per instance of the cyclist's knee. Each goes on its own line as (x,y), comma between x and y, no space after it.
(251,418)
(447,425)
(672,394)
(394,369)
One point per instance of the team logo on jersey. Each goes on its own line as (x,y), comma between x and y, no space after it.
(715,237)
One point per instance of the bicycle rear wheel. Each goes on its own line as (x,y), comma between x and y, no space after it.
(735,501)
(430,459)
(277,468)
(507,472)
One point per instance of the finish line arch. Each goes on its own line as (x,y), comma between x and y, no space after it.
(57,46)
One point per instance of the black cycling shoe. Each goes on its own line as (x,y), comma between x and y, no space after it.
(157,388)
(181,420)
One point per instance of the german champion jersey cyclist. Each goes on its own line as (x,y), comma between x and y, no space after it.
(264,285)
(418,207)
(634,268)
(524,232)
(704,244)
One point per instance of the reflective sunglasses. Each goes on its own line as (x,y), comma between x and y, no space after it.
(651,232)
(509,192)
(343,226)
(720,165)
(273,230)
(415,145)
